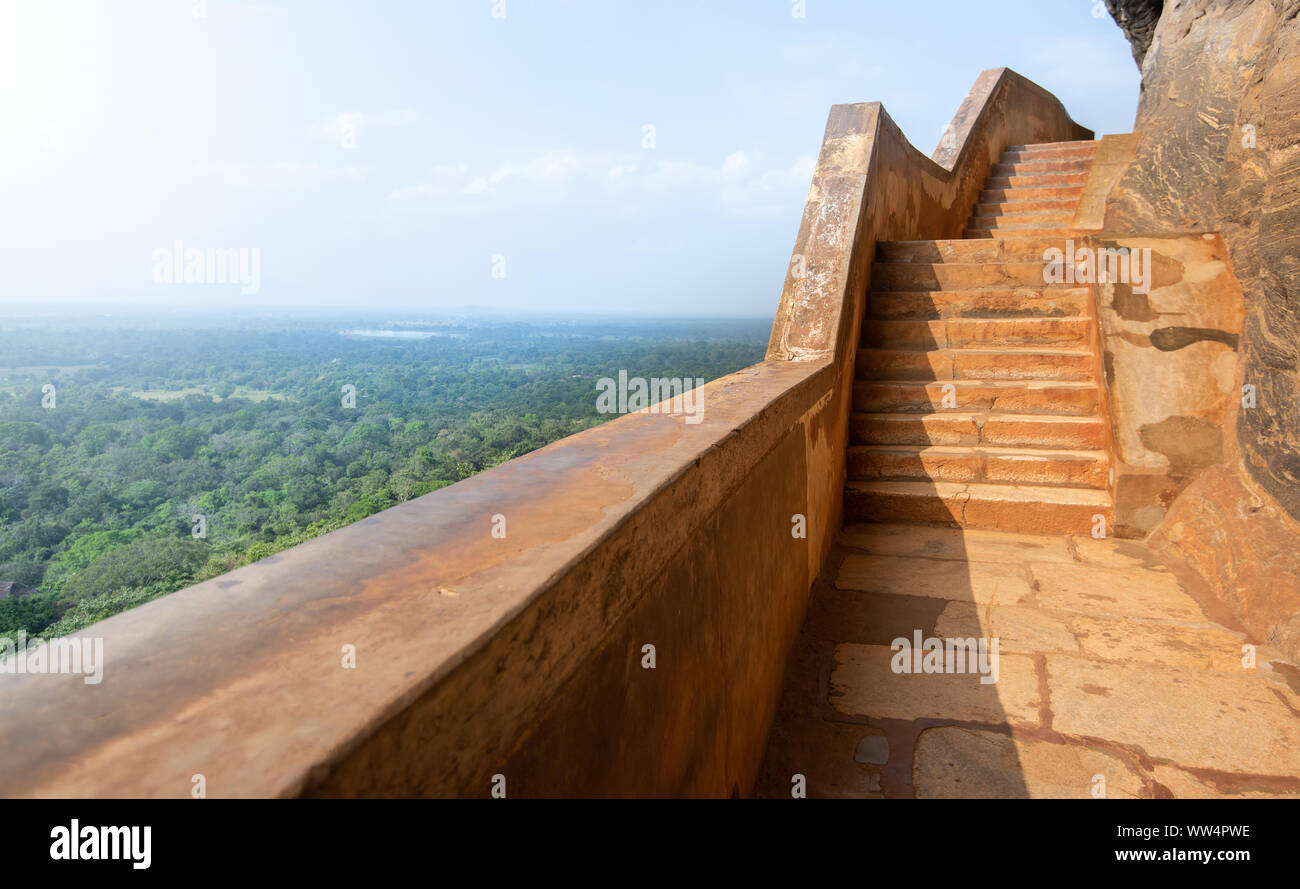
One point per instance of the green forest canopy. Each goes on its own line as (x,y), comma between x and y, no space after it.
(154,423)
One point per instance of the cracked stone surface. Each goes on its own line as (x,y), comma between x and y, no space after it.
(960,762)
(1112,680)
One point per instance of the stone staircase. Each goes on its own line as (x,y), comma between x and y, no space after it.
(977,400)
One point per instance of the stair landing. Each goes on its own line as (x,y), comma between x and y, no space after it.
(1111,682)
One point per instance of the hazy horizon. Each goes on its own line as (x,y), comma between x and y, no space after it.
(566,156)
(414,312)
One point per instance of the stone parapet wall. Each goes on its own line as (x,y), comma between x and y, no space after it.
(479,654)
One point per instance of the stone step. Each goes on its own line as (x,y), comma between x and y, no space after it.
(1027,302)
(1005,363)
(1028,168)
(1036,180)
(1000,363)
(977,428)
(957,463)
(1022,220)
(1011,158)
(1059,152)
(959,275)
(1040,509)
(1008,195)
(967,251)
(1032,223)
(955,333)
(1038,205)
(1069,145)
(1000,233)
(1060,398)
(1082,156)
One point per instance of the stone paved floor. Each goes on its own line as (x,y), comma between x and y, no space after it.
(1111,677)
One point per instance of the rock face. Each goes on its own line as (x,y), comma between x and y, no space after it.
(1251,561)
(1219,151)
(1138,19)
(1172,370)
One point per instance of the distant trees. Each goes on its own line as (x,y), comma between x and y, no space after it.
(80,551)
(152,560)
(175,442)
(98,496)
(18,435)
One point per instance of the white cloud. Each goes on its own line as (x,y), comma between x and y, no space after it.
(618,171)
(736,179)
(284,175)
(551,169)
(736,166)
(447,179)
(767,190)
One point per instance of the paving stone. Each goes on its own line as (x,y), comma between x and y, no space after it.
(863,684)
(960,619)
(823,752)
(1185,785)
(871,618)
(1029,630)
(1158,642)
(954,762)
(1112,552)
(980,582)
(1113,592)
(1198,719)
(1131,663)
(1018,630)
(969,545)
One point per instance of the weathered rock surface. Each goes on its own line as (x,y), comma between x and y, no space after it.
(969,764)
(1172,368)
(1138,19)
(1219,151)
(1205,720)
(1243,547)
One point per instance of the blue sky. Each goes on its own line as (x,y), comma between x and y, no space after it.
(381,154)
